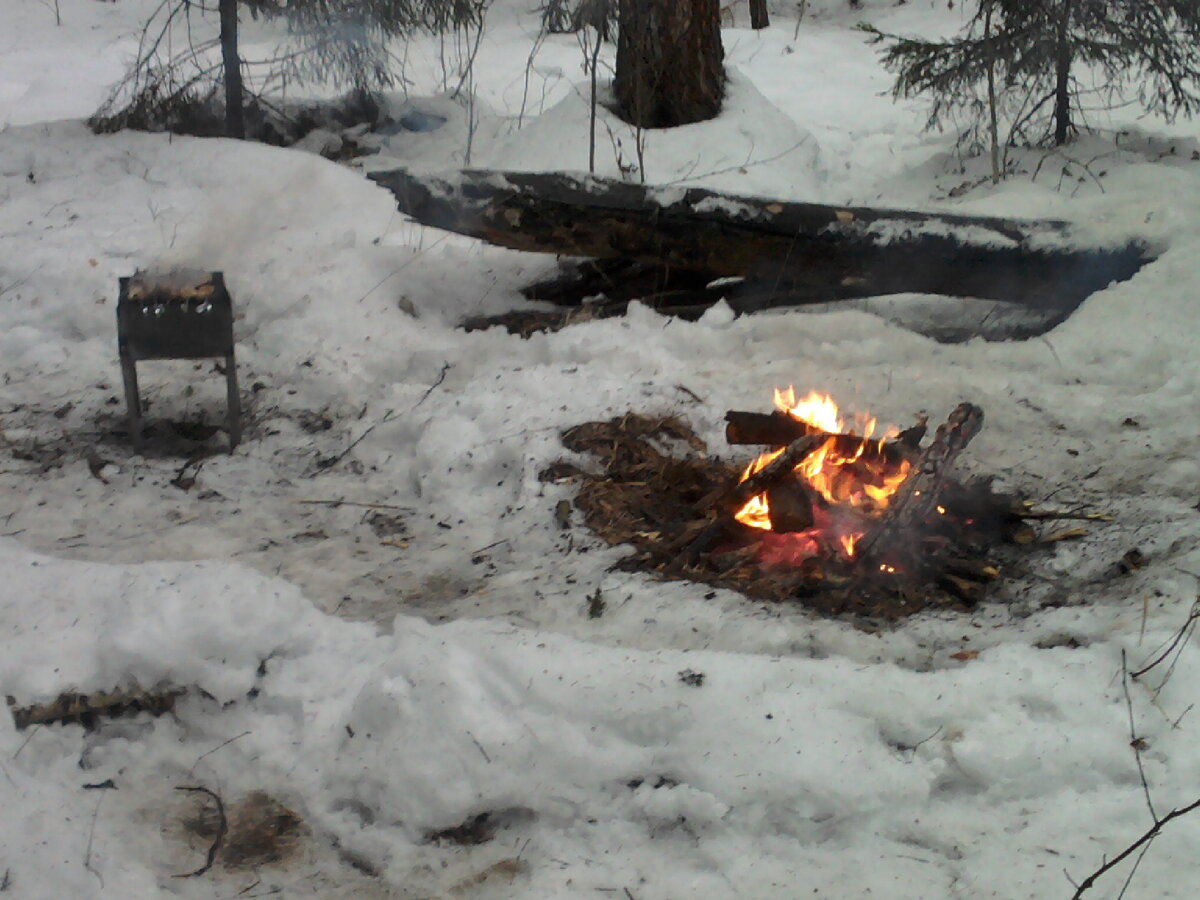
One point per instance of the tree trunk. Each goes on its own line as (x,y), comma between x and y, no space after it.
(669,62)
(235,126)
(1062,76)
(758,14)
(993,121)
(814,252)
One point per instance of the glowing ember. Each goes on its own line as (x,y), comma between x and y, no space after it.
(851,478)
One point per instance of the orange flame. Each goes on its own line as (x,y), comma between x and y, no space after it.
(863,479)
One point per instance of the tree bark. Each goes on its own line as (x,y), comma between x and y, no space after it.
(806,252)
(670,62)
(1062,76)
(758,14)
(235,126)
(993,120)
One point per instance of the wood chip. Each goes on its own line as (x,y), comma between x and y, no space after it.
(1068,535)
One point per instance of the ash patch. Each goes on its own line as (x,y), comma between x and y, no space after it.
(258,831)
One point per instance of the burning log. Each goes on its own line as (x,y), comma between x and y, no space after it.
(805,252)
(730,500)
(791,506)
(778,429)
(781,466)
(918,495)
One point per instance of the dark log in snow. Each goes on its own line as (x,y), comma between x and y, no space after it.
(810,252)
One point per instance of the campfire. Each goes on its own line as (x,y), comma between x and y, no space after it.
(842,514)
(824,504)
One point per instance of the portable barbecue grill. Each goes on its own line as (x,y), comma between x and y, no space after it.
(183,314)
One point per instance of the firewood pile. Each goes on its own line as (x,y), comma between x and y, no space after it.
(844,523)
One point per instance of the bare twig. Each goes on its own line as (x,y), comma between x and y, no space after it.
(216,748)
(748,163)
(12,286)
(324,465)
(1142,845)
(1136,742)
(336,503)
(87,855)
(222,827)
(1175,645)
(32,732)
(1149,836)
(446,367)
(479,747)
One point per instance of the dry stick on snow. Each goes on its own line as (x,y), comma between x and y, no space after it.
(220,746)
(324,465)
(1142,845)
(1135,742)
(1176,645)
(336,503)
(222,827)
(1035,515)
(87,855)
(1145,839)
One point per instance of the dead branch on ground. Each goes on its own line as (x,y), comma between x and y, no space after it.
(222,827)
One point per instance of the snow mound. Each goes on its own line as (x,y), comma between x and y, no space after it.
(751,147)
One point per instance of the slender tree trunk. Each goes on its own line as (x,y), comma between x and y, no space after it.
(993,123)
(758,14)
(669,62)
(1062,76)
(235,126)
(594,64)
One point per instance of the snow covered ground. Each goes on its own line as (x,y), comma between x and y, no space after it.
(396,664)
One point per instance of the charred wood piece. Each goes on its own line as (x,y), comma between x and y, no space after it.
(791,506)
(917,496)
(733,499)
(729,500)
(778,429)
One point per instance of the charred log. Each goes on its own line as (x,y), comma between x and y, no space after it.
(778,429)
(791,506)
(797,252)
(732,499)
(918,495)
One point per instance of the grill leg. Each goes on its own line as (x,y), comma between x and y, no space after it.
(234,401)
(133,400)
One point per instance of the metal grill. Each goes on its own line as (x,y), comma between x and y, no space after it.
(183,314)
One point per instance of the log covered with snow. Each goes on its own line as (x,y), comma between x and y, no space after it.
(805,250)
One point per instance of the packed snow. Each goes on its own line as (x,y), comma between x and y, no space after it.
(378,620)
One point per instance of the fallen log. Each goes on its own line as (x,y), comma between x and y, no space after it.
(806,252)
